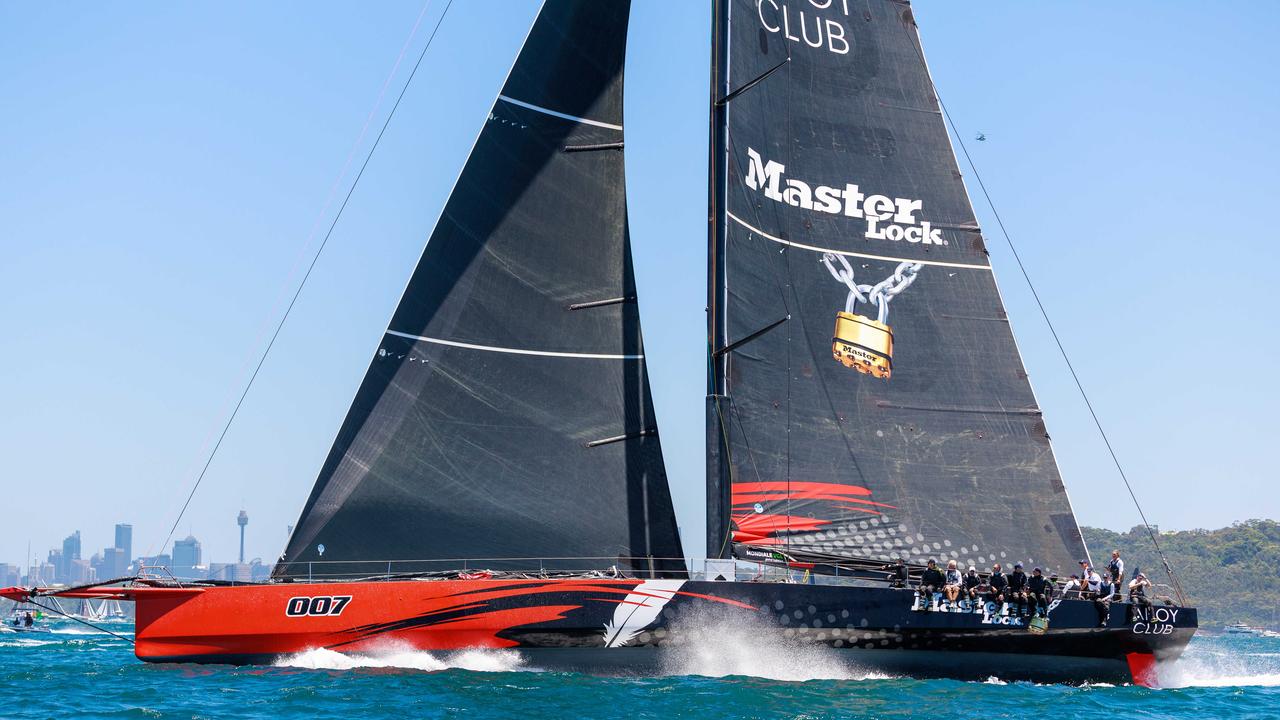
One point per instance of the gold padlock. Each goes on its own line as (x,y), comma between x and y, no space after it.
(863,344)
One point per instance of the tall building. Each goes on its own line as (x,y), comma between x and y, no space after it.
(154,562)
(79,572)
(57,567)
(242,520)
(114,564)
(70,553)
(41,574)
(124,541)
(186,557)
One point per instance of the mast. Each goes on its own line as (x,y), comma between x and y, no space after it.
(718,469)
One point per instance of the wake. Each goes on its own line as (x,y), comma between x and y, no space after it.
(406,658)
(1202,667)
(714,645)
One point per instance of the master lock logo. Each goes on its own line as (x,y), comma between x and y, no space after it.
(859,342)
(886,218)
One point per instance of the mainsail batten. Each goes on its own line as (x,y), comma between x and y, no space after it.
(477,431)
(896,379)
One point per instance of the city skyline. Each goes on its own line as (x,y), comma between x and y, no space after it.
(66,563)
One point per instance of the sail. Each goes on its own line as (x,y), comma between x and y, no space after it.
(506,412)
(867,397)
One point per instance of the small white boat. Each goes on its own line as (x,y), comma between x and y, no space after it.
(22,620)
(1242,629)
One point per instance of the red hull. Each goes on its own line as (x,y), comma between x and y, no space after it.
(252,620)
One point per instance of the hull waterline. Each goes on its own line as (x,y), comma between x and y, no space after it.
(638,626)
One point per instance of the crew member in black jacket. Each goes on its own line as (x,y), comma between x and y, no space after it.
(931,581)
(999,584)
(1018,590)
(898,574)
(971,583)
(1040,590)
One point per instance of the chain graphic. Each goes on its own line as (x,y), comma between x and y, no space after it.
(859,342)
(879,294)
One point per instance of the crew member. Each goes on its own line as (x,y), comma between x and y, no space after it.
(897,573)
(931,581)
(1101,597)
(1018,589)
(27,620)
(971,584)
(998,585)
(1040,592)
(1116,570)
(1138,590)
(952,584)
(1072,586)
(1091,583)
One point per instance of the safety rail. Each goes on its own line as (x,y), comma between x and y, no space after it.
(314,571)
(605,567)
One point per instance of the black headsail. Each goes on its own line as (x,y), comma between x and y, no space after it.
(506,412)
(871,401)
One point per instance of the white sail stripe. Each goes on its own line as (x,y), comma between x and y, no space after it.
(553,113)
(763,234)
(514,351)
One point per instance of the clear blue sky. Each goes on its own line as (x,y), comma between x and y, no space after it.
(162,167)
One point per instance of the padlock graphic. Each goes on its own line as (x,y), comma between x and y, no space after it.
(859,342)
(863,344)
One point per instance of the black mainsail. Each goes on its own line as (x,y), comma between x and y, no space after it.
(506,412)
(867,399)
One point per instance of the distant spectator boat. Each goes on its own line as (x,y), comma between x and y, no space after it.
(15,621)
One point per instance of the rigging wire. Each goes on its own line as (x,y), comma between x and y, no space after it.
(81,621)
(1044,313)
(307,275)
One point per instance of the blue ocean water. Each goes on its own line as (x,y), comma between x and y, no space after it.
(73,673)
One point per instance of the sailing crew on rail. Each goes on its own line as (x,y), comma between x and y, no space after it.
(1091,582)
(951,584)
(1100,590)
(898,574)
(1039,591)
(931,581)
(1018,589)
(1116,569)
(1138,590)
(998,584)
(1072,586)
(971,584)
